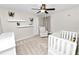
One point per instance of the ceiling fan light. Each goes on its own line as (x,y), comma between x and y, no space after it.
(42,10)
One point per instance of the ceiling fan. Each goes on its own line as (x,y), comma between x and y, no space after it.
(43,9)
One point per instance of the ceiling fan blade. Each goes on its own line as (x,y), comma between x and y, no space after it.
(35,9)
(46,12)
(38,11)
(50,9)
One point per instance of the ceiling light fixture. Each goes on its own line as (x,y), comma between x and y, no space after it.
(42,10)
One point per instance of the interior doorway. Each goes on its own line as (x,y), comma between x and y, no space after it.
(45,21)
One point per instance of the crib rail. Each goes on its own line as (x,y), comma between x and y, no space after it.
(60,46)
(72,36)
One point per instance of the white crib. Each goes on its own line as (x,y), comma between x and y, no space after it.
(63,43)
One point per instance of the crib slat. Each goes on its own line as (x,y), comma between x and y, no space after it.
(63,34)
(68,48)
(59,45)
(67,36)
(62,46)
(65,45)
(49,42)
(54,43)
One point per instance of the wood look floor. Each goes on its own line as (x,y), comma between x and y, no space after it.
(32,46)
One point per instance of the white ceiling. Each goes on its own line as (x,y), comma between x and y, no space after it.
(28,7)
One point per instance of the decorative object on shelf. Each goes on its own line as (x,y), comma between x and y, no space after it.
(11,14)
(31,20)
(18,24)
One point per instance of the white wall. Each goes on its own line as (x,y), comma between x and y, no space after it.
(36,26)
(20,33)
(65,20)
(0,27)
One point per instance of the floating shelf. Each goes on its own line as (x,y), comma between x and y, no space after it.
(16,20)
(24,26)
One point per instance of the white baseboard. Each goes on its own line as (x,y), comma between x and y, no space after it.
(26,37)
